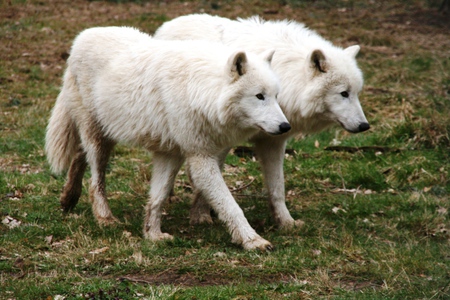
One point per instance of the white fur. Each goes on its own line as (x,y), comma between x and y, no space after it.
(313,73)
(190,99)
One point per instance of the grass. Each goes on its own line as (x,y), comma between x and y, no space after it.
(376,222)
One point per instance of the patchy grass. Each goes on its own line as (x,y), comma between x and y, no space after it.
(376,220)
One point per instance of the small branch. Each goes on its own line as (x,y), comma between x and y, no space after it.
(244,151)
(243,187)
(363,149)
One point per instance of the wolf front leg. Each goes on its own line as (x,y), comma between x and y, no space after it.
(165,168)
(201,210)
(270,151)
(206,175)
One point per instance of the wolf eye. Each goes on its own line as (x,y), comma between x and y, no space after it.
(344,94)
(260,96)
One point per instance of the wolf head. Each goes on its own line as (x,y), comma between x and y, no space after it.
(255,89)
(337,81)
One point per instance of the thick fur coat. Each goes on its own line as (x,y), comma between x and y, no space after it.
(319,82)
(181,100)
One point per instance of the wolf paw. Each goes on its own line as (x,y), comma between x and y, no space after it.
(155,237)
(107,221)
(200,218)
(299,223)
(68,203)
(258,244)
(291,225)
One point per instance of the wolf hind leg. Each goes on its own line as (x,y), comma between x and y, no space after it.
(97,149)
(97,189)
(72,189)
(165,168)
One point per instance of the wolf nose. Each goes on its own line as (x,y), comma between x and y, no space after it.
(363,127)
(285,127)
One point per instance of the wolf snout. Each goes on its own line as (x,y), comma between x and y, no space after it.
(356,128)
(363,127)
(285,127)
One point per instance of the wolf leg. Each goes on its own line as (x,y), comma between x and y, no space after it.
(97,190)
(72,189)
(201,210)
(270,152)
(165,168)
(98,149)
(208,180)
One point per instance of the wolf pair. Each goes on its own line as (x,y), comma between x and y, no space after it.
(193,100)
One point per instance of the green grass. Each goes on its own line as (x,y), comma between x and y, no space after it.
(376,222)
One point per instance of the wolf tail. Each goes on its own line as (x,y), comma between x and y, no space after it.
(62,139)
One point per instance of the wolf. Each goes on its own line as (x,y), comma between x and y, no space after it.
(319,82)
(181,100)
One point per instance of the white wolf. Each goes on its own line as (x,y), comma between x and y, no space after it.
(319,82)
(180,100)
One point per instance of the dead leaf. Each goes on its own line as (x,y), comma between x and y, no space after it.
(352,191)
(392,191)
(316,144)
(49,239)
(11,222)
(220,254)
(98,251)
(335,142)
(337,209)
(25,168)
(442,211)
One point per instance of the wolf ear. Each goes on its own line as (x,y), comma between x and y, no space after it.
(318,61)
(352,50)
(237,64)
(268,55)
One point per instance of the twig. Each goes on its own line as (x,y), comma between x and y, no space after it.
(363,149)
(136,280)
(342,177)
(243,187)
